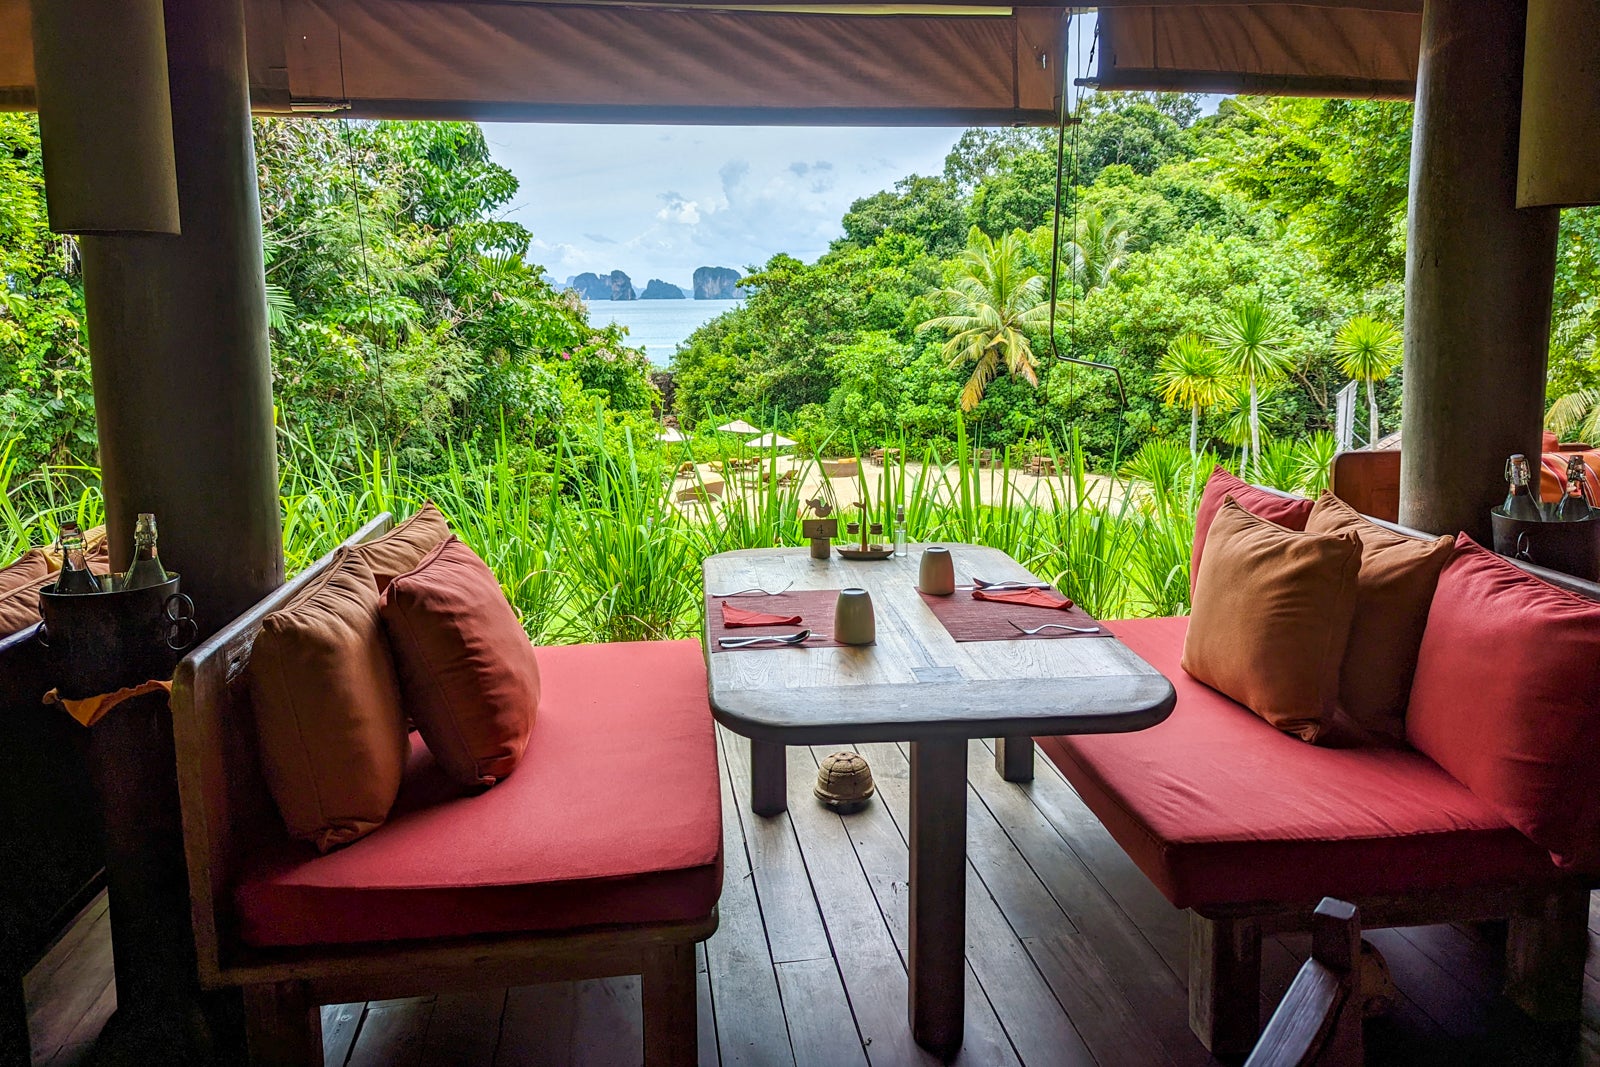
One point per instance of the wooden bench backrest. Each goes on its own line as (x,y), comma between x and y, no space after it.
(1369,482)
(227,810)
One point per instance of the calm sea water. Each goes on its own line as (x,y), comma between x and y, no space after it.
(658,326)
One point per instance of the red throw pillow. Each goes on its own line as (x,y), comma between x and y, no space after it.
(1290,512)
(1505,699)
(468,677)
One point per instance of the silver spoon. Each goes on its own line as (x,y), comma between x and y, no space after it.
(1055,626)
(773,639)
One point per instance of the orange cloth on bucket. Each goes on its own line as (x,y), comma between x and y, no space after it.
(91,710)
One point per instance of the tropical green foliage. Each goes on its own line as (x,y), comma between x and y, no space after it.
(1368,350)
(991,299)
(1252,340)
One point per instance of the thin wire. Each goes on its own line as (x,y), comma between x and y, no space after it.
(1055,237)
(366,268)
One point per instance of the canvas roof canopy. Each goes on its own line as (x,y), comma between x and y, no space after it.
(846,62)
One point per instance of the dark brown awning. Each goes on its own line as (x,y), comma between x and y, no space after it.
(849,62)
(1359,49)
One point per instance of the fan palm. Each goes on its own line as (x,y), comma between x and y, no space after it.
(1251,338)
(1191,374)
(993,299)
(1368,350)
(1576,416)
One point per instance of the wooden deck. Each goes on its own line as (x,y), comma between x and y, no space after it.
(1073,958)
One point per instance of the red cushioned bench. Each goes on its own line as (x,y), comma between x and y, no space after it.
(601,855)
(1248,828)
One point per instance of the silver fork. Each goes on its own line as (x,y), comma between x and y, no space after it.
(750,592)
(1054,626)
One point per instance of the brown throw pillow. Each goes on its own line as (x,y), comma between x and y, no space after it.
(1393,593)
(1272,611)
(327,708)
(467,670)
(403,547)
(19,590)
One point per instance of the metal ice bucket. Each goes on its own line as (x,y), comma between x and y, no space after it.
(102,642)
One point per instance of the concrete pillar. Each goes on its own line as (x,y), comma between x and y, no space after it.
(1479,273)
(178,342)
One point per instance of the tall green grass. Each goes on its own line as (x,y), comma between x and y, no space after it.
(591,543)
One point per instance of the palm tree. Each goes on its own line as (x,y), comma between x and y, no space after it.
(1191,374)
(993,298)
(1251,338)
(1576,416)
(1096,251)
(1368,350)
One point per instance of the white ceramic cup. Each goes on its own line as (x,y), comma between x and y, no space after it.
(937,574)
(853,622)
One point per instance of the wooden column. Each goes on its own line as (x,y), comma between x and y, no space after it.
(178,341)
(1479,273)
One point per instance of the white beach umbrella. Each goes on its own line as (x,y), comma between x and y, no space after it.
(769,440)
(671,436)
(738,426)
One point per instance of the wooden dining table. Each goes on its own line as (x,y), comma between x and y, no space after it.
(915,683)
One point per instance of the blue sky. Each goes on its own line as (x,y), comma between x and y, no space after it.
(659,201)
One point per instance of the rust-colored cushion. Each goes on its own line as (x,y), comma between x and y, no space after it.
(1505,699)
(327,708)
(468,677)
(616,817)
(19,590)
(1271,619)
(403,547)
(1287,511)
(1393,591)
(1216,807)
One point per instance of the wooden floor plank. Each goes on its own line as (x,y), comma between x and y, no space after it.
(751,1030)
(69,982)
(572,1024)
(1112,1028)
(821,1029)
(391,1033)
(788,905)
(705,1011)
(464,1030)
(1124,884)
(869,958)
(1125,956)
(1027,1008)
(339,1025)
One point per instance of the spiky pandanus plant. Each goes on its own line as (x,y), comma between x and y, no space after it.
(994,298)
(1368,350)
(1192,374)
(1251,338)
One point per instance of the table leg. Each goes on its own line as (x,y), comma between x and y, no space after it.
(1013,758)
(938,893)
(769,779)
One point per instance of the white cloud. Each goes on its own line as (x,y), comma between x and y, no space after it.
(735,195)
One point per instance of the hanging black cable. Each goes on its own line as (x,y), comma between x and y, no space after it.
(1063,120)
(366,269)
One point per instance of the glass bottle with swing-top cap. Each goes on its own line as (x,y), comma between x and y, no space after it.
(75,576)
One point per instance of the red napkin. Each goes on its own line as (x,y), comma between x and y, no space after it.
(733,615)
(1033,598)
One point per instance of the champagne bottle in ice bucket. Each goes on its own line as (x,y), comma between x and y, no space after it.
(146,569)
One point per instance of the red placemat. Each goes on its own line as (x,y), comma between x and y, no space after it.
(814,606)
(967,619)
